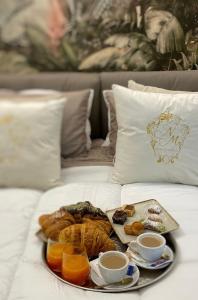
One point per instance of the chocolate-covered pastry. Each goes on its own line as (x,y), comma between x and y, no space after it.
(119,217)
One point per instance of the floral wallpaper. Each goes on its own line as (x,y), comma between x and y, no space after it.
(98,35)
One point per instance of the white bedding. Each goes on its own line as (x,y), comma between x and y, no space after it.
(22,274)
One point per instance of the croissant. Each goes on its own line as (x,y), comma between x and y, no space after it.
(52,224)
(102,224)
(94,239)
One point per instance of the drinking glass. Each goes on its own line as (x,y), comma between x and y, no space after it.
(75,264)
(54,255)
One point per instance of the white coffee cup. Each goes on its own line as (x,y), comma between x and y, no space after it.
(150,245)
(113,265)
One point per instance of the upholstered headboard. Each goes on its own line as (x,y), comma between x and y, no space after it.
(174,80)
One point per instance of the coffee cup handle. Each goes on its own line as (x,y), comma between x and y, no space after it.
(100,254)
(133,246)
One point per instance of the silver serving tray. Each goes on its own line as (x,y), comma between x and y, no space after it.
(147,277)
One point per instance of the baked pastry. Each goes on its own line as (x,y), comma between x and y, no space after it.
(52,224)
(136,228)
(129,209)
(104,225)
(155,226)
(119,217)
(154,209)
(94,239)
(154,217)
(80,209)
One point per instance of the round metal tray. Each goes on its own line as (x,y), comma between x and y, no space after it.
(147,277)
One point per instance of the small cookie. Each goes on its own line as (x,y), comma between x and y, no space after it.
(119,217)
(155,218)
(154,209)
(136,228)
(128,229)
(129,209)
(155,226)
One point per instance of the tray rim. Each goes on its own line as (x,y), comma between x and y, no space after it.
(140,202)
(133,288)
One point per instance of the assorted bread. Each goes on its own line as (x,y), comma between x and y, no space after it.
(84,223)
(52,224)
(81,222)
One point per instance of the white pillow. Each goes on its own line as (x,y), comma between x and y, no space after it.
(30,142)
(89,107)
(150,89)
(157,137)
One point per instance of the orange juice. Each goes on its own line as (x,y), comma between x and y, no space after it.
(75,264)
(76,269)
(54,255)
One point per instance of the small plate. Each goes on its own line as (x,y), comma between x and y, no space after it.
(98,280)
(140,208)
(139,261)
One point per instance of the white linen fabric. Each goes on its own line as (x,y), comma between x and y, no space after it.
(89,107)
(110,104)
(157,137)
(151,89)
(23,274)
(30,143)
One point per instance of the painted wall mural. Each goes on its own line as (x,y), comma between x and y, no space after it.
(95,35)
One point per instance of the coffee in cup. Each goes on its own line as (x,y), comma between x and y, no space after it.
(150,245)
(113,265)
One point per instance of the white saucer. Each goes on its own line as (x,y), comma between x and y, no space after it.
(139,261)
(98,280)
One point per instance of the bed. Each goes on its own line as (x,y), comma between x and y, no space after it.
(23,274)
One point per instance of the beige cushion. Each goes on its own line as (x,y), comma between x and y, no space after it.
(76,129)
(112,121)
(158,142)
(151,89)
(30,142)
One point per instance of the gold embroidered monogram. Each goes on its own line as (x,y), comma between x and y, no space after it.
(168,133)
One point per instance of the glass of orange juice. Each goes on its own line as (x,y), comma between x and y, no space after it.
(75,264)
(54,255)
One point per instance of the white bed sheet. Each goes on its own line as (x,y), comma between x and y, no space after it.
(16,209)
(87,174)
(22,273)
